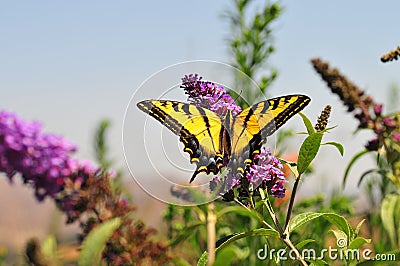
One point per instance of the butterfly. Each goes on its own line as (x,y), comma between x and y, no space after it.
(214,141)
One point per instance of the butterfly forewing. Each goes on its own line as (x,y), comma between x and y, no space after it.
(199,130)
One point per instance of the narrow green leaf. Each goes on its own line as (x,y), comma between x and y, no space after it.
(356,232)
(328,128)
(307,123)
(255,232)
(338,146)
(308,151)
(358,242)
(388,210)
(94,243)
(353,160)
(203,259)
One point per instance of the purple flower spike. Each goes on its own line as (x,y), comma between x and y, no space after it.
(267,170)
(208,95)
(43,160)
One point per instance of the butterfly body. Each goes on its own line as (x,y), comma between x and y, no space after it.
(214,141)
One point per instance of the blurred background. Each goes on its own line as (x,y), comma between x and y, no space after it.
(70,64)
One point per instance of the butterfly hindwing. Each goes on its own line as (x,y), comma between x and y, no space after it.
(199,129)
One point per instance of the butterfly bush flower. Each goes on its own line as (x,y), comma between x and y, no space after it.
(43,160)
(80,190)
(209,95)
(267,171)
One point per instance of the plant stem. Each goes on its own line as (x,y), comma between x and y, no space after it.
(289,243)
(211,234)
(292,197)
(271,212)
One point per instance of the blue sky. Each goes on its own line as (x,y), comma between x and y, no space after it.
(70,64)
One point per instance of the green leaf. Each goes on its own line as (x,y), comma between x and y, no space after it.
(353,160)
(341,223)
(94,243)
(229,254)
(255,232)
(338,146)
(333,218)
(308,151)
(358,242)
(328,128)
(388,210)
(203,259)
(359,227)
(301,219)
(307,123)
(304,242)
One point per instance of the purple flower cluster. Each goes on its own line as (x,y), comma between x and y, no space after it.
(43,160)
(266,170)
(209,95)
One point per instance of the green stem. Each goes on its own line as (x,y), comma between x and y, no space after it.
(290,245)
(292,197)
(271,212)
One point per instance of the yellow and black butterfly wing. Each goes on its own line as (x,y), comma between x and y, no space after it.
(252,126)
(199,129)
